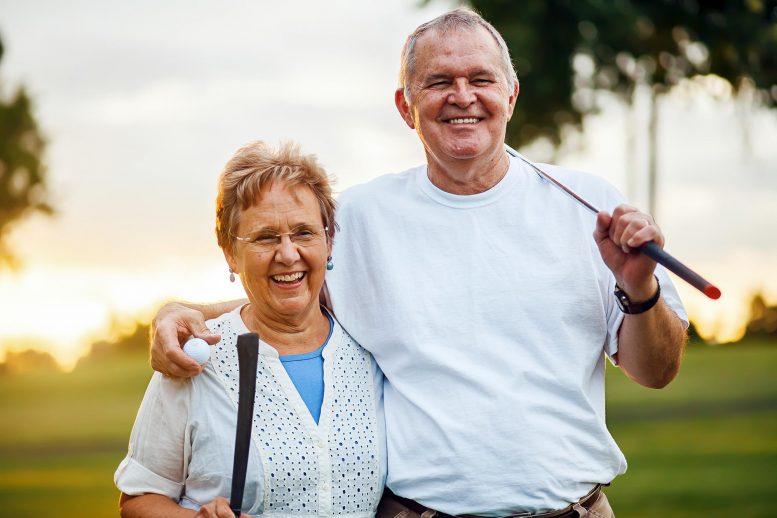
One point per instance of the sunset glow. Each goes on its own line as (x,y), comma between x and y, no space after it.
(139,124)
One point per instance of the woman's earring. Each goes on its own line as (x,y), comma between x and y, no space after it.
(329,264)
(231,275)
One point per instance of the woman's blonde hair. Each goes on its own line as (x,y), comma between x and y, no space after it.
(258,164)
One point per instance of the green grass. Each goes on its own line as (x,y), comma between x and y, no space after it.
(62,436)
(704,446)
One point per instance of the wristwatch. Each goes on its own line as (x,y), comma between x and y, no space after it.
(632,308)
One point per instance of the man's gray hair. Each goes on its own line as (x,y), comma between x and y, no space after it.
(461,18)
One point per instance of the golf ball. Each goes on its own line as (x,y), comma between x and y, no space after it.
(197,349)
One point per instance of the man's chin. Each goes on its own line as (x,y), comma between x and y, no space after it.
(466,152)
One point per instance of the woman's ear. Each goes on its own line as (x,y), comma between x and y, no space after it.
(228,255)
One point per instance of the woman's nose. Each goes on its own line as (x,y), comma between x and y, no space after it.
(287,252)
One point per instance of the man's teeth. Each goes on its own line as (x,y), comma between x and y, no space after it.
(470,120)
(289,277)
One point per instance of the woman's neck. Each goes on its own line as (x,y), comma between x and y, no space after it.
(288,337)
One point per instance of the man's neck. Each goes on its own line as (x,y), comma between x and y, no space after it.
(465,177)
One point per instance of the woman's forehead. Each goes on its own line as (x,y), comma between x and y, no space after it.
(280,205)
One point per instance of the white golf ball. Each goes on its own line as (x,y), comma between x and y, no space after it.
(197,349)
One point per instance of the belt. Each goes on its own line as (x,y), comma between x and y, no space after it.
(571,511)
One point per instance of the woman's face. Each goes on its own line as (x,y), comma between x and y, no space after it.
(282,280)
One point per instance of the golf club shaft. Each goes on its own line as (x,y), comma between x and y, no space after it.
(247,357)
(651,249)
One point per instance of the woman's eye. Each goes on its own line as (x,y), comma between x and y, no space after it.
(304,235)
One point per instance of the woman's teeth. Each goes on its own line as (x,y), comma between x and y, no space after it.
(288,277)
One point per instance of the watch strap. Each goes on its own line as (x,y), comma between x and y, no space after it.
(635,308)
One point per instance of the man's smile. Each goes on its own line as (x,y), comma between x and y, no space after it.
(463,120)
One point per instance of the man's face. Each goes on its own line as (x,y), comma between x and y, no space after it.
(460,100)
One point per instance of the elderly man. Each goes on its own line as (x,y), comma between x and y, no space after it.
(479,291)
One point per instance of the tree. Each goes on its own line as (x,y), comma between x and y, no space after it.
(762,324)
(22,170)
(566,50)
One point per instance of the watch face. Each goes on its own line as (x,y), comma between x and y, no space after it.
(622,300)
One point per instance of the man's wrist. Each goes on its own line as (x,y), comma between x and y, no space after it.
(631,307)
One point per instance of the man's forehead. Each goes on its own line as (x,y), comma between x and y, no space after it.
(440,35)
(435,47)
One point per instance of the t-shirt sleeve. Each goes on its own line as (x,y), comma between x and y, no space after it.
(614,321)
(607,197)
(159,446)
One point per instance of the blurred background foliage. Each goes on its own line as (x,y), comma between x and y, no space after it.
(565,51)
(23,186)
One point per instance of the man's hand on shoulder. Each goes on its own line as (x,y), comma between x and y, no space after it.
(171,327)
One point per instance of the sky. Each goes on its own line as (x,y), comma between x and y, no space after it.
(143,102)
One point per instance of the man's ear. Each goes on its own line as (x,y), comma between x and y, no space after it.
(513,98)
(404,108)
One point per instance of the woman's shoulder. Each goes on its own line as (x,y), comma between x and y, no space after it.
(345,341)
(228,324)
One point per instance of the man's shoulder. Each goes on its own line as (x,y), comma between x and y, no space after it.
(379,188)
(562,173)
(591,187)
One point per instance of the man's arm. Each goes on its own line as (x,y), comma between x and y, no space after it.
(173,324)
(650,344)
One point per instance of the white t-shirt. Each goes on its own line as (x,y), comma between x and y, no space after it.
(182,444)
(490,316)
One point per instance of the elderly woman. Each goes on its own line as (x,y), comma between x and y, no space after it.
(318,442)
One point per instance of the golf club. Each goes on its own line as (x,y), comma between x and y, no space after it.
(651,249)
(247,357)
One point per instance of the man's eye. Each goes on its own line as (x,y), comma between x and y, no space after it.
(439,84)
(482,82)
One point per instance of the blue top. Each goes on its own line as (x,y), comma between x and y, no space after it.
(306,371)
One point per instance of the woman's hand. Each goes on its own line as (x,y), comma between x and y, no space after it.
(218,508)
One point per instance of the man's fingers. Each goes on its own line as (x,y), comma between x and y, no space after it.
(180,365)
(209,337)
(603,220)
(174,371)
(168,358)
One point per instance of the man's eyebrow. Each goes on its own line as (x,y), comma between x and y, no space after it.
(436,77)
(483,72)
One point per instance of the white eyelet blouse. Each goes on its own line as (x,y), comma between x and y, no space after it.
(182,444)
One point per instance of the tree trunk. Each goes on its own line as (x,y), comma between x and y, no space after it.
(653,152)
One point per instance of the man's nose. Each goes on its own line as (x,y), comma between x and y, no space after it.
(462,94)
